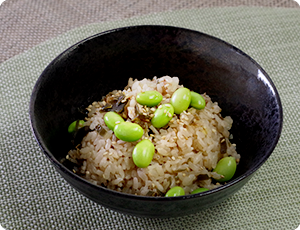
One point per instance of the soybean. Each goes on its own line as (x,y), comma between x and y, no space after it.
(197,101)
(181,100)
(111,119)
(226,167)
(175,191)
(127,131)
(75,125)
(162,115)
(199,190)
(149,98)
(142,154)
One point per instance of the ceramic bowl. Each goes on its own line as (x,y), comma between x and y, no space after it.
(101,63)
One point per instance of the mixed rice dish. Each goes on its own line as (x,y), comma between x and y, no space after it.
(150,146)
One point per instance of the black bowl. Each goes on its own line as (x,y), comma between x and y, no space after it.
(99,64)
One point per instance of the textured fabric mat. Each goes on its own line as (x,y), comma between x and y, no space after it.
(26,23)
(34,196)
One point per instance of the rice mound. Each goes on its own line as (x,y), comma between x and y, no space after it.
(186,150)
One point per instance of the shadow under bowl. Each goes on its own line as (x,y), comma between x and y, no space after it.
(99,64)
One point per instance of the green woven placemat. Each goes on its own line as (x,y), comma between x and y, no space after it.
(34,196)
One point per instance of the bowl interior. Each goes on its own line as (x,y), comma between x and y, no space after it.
(102,63)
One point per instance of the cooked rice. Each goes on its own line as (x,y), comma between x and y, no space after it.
(187,149)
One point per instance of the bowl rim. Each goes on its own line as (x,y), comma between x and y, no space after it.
(231,183)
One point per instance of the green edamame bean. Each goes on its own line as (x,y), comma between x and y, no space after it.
(175,191)
(149,98)
(72,127)
(226,167)
(127,131)
(142,154)
(181,100)
(111,119)
(198,190)
(197,101)
(162,115)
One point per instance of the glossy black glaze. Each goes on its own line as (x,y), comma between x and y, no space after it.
(104,62)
